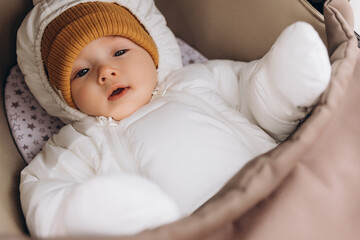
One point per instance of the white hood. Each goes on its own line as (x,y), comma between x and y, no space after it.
(29,44)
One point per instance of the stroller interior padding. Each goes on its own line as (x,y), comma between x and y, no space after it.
(238,30)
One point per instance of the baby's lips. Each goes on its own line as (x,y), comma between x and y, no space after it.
(114,88)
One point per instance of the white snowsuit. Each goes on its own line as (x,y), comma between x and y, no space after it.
(204,122)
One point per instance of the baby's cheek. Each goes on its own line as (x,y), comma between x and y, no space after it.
(82,97)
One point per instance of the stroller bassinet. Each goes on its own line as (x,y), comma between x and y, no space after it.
(307,187)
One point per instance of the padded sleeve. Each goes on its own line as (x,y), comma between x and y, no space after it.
(279,90)
(289,80)
(62,195)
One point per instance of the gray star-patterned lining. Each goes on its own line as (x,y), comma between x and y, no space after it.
(31,126)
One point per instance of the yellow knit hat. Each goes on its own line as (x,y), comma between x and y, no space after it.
(75,28)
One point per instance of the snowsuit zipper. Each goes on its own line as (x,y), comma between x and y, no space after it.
(119,145)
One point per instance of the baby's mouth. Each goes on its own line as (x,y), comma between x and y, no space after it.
(118,92)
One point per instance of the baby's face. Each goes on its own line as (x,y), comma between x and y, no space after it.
(112,77)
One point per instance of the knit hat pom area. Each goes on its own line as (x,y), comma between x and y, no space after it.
(72,30)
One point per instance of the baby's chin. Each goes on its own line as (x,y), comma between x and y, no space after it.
(119,112)
(124,114)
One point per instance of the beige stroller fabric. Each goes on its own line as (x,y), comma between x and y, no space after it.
(307,187)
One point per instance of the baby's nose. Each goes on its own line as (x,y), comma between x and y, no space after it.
(107,73)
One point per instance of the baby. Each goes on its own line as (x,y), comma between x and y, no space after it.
(148,141)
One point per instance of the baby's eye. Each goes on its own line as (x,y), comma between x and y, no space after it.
(121,52)
(82,72)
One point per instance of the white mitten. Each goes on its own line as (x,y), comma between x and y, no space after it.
(287,82)
(114,205)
